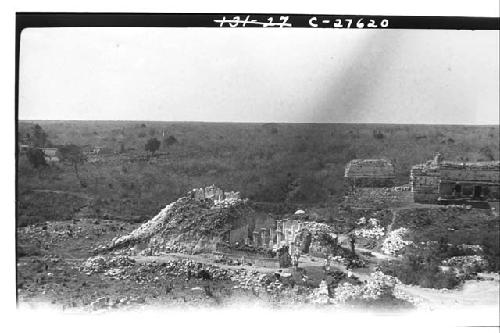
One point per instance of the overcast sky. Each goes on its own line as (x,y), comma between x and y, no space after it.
(260,75)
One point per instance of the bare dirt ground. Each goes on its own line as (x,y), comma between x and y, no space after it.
(472,294)
(51,256)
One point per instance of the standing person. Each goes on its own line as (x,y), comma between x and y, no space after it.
(326,267)
(295,257)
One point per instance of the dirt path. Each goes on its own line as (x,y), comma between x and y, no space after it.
(205,259)
(471,294)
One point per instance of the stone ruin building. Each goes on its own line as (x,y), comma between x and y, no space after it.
(369,173)
(214,193)
(287,231)
(259,229)
(256,230)
(252,228)
(446,182)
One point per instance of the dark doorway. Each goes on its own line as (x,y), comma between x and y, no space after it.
(477,192)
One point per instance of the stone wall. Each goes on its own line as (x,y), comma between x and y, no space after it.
(477,172)
(239,235)
(287,230)
(473,181)
(369,173)
(424,183)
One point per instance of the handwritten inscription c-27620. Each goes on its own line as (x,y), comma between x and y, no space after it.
(283,21)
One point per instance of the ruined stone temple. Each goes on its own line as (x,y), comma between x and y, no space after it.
(369,173)
(446,182)
(303,236)
(287,230)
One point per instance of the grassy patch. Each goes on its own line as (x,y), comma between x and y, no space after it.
(38,207)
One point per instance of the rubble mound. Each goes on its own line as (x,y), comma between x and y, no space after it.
(100,264)
(199,222)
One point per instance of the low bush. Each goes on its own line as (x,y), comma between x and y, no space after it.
(412,270)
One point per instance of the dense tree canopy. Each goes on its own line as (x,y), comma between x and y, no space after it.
(74,155)
(152,145)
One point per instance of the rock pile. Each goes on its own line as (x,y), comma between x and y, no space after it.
(320,295)
(198,222)
(122,268)
(108,303)
(377,287)
(394,243)
(370,229)
(102,264)
(467,264)
(269,283)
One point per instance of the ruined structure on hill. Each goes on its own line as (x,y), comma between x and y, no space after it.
(445,182)
(205,220)
(369,173)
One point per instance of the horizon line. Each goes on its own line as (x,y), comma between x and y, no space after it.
(255,122)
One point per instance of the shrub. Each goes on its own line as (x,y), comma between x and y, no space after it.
(169,141)
(152,145)
(38,207)
(36,157)
(425,274)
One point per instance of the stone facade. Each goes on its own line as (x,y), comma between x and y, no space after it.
(369,173)
(446,182)
(239,235)
(424,183)
(287,231)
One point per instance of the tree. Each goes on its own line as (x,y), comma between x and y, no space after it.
(152,145)
(171,140)
(36,157)
(74,155)
(39,136)
(488,153)
(362,228)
